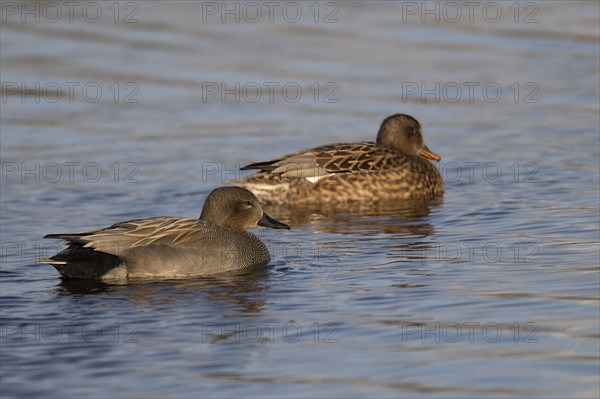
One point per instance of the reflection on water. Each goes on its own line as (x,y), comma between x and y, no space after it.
(240,289)
(82,287)
(359,218)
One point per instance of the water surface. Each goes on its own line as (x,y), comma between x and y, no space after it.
(491,291)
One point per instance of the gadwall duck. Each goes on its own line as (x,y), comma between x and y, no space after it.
(172,247)
(396,166)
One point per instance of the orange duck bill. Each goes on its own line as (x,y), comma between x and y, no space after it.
(427,153)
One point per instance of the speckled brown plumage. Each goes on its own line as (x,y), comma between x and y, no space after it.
(393,167)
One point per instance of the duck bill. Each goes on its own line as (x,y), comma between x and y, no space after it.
(427,153)
(268,221)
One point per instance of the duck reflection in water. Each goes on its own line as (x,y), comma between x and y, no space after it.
(241,291)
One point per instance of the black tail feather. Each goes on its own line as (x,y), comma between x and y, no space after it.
(66,236)
(79,262)
(263,166)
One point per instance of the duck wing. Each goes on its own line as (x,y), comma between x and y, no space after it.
(329,159)
(163,230)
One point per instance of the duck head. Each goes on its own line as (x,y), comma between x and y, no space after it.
(236,209)
(403,133)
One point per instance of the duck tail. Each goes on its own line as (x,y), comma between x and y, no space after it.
(51,261)
(262,166)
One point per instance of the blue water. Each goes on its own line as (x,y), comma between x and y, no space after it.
(493,291)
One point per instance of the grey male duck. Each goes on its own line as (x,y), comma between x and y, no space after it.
(395,166)
(172,247)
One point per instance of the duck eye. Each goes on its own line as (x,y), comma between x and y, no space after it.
(249,204)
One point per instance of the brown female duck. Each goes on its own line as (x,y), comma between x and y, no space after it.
(395,166)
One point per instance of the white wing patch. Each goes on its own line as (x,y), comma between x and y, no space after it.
(315,179)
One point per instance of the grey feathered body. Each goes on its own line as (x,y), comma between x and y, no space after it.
(159,247)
